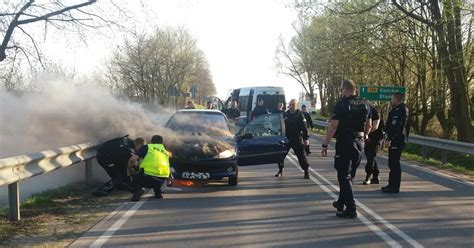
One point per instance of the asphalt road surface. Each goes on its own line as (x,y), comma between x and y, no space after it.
(432,210)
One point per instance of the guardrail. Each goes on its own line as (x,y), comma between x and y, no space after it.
(429,142)
(18,168)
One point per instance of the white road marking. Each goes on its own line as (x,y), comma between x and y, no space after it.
(368,223)
(116,226)
(397,231)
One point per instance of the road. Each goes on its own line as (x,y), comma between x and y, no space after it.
(431,210)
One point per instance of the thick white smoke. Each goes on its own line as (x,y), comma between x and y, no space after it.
(65,114)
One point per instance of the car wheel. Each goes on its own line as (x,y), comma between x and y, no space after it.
(233,181)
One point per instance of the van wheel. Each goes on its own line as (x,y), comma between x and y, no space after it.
(233,181)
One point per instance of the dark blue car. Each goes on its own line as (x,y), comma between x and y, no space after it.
(206,149)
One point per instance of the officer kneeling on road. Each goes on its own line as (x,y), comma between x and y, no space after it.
(350,124)
(153,169)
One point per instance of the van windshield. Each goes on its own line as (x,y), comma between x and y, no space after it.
(271,101)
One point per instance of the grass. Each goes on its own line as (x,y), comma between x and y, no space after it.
(457,163)
(55,218)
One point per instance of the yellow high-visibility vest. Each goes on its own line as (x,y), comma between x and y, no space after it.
(156,161)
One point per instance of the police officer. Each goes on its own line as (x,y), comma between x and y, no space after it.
(154,168)
(396,123)
(297,134)
(233,113)
(350,124)
(372,145)
(280,108)
(259,110)
(309,123)
(281,165)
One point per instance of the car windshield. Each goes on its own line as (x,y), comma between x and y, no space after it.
(199,123)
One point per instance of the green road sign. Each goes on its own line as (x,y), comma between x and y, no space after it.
(379,93)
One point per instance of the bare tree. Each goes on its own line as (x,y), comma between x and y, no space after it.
(15,16)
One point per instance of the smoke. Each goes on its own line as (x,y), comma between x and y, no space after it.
(65,114)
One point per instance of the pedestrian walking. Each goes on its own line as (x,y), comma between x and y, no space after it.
(297,134)
(350,124)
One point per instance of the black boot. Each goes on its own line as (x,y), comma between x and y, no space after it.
(375,180)
(306,174)
(367,180)
(280,173)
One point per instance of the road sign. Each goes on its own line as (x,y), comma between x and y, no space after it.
(174,91)
(193,91)
(380,93)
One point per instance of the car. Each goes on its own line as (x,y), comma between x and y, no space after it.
(206,149)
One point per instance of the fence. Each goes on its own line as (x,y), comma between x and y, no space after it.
(429,142)
(18,168)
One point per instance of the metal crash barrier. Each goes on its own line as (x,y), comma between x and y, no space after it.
(428,142)
(18,168)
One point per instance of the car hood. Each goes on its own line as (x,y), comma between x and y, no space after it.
(200,147)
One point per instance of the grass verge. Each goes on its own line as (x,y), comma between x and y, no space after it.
(55,218)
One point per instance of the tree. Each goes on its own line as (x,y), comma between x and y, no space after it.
(15,16)
(446,22)
(147,67)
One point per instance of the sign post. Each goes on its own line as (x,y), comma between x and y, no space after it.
(380,93)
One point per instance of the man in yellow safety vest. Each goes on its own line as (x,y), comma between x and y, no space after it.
(153,168)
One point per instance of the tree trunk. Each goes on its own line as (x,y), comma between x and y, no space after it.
(453,71)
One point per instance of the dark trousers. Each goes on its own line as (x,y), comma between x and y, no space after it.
(142,180)
(394,153)
(371,168)
(306,149)
(346,161)
(298,147)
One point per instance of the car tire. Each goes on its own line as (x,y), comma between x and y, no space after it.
(233,181)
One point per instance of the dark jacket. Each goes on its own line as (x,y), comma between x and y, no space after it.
(309,121)
(232,113)
(396,123)
(352,113)
(295,126)
(258,111)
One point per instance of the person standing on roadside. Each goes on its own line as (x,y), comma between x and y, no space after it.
(297,134)
(372,145)
(281,165)
(233,113)
(259,110)
(309,123)
(396,123)
(280,108)
(350,124)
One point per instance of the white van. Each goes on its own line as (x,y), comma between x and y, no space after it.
(247,98)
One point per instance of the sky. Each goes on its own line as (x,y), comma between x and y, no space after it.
(238,37)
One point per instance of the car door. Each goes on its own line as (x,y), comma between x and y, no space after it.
(262,141)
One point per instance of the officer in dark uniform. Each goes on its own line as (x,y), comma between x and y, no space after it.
(259,110)
(350,124)
(372,145)
(281,165)
(396,123)
(297,134)
(309,124)
(233,112)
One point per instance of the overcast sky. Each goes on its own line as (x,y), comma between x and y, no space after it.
(239,38)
